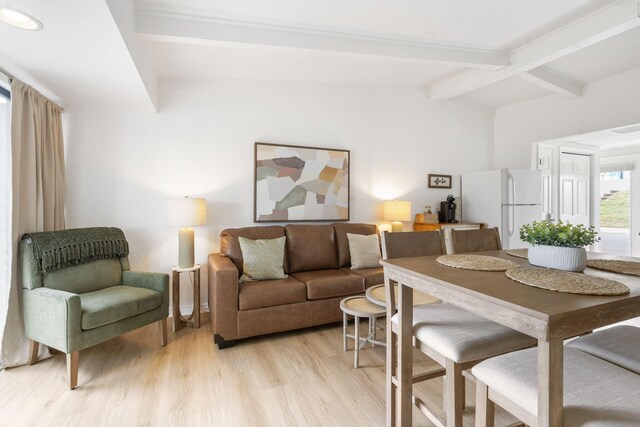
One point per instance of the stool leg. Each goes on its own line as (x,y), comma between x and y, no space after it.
(373,332)
(356,357)
(344,331)
(485,408)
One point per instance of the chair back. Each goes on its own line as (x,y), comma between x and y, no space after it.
(484,239)
(411,244)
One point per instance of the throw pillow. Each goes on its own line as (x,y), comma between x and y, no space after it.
(262,259)
(365,251)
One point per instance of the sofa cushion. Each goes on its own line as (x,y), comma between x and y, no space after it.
(88,277)
(229,245)
(310,247)
(342,242)
(269,293)
(330,283)
(112,304)
(371,276)
(364,250)
(262,259)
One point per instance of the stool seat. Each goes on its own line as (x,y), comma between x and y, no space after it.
(462,336)
(377,295)
(596,392)
(619,345)
(361,307)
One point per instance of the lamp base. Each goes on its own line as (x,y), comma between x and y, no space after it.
(186,258)
(396,227)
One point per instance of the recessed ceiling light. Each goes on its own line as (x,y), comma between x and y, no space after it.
(19,19)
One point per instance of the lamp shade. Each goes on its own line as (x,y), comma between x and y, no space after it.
(186,212)
(396,210)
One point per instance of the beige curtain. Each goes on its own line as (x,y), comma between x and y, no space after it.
(38,190)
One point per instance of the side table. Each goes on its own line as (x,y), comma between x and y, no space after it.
(359,306)
(193,320)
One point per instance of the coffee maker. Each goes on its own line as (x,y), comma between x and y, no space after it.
(447,211)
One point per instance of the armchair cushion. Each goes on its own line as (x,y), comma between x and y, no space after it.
(88,277)
(112,304)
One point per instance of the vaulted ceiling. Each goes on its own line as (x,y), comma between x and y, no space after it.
(488,53)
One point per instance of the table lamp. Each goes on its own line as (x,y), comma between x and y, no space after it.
(186,213)
(396,211)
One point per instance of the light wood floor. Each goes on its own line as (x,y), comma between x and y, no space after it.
(295,379)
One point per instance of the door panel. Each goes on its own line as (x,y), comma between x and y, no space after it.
(567,198)
(575,191)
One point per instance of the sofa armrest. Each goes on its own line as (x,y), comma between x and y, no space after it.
(53,317)
(223,298)
(155,281)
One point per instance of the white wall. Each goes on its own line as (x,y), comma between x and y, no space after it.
(608,103)
(122,166)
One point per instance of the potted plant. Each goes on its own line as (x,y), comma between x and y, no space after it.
(558,245)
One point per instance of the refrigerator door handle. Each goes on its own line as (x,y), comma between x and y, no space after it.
(512,220)
(511,189)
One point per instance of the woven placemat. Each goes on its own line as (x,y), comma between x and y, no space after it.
(519,253)
(615,266)
(476,262)
(563,281)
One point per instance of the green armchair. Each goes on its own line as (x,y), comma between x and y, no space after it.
(83,299)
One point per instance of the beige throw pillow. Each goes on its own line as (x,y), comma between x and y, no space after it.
(365,251)
(262,259)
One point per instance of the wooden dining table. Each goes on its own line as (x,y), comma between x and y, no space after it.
(548,316)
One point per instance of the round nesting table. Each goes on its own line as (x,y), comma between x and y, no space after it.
(376,294)
(358,307)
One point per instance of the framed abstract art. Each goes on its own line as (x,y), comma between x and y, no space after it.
(294,183)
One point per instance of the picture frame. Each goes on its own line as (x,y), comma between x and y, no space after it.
(439,181)
(295,183)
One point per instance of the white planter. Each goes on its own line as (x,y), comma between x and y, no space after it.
(568,259)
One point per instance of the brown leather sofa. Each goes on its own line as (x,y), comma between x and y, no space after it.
(318,265)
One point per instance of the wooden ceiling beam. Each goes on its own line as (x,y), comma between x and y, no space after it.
(164,23)
(616,18)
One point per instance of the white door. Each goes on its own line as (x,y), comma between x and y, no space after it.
(545,166)
(575,188)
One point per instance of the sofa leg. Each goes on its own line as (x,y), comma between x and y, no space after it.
(226,344)
(163,331)
(72,368)
(33,351)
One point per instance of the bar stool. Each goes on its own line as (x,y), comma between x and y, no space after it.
(360,307)
(619,345)
(595,392)
(456,339)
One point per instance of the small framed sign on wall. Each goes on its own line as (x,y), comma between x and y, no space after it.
(438,181)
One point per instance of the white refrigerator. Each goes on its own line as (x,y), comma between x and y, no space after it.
(503,198)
